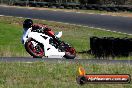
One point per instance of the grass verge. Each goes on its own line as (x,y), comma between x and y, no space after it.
(56,75)
(77,36)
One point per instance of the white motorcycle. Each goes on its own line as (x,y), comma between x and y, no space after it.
(39,44)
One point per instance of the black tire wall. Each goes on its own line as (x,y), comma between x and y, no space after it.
(109,46)
(102,5)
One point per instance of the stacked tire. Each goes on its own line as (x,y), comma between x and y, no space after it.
(109,46)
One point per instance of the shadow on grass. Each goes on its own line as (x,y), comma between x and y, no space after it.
(104,56)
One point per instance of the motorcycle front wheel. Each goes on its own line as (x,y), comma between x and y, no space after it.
(70,53)
(35,51)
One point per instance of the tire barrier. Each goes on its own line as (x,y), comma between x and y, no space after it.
(75,5)
(110,46)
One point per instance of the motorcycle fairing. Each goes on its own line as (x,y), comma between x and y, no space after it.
(48,48)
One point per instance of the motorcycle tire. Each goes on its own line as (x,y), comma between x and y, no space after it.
(37,51)
(70,53)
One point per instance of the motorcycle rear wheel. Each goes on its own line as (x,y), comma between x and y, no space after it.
(37,51)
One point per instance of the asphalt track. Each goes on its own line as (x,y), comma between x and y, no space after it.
(113,23)
(57,60)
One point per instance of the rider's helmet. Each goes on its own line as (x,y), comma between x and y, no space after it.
(27,24)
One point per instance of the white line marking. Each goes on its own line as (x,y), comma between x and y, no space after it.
(28,62)
(1,15)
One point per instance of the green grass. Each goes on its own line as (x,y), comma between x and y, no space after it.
(56,75)
(10,44)
(77,36)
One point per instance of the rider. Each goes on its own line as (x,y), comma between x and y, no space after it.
(28,26)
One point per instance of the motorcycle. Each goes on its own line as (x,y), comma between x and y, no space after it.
(38,44)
